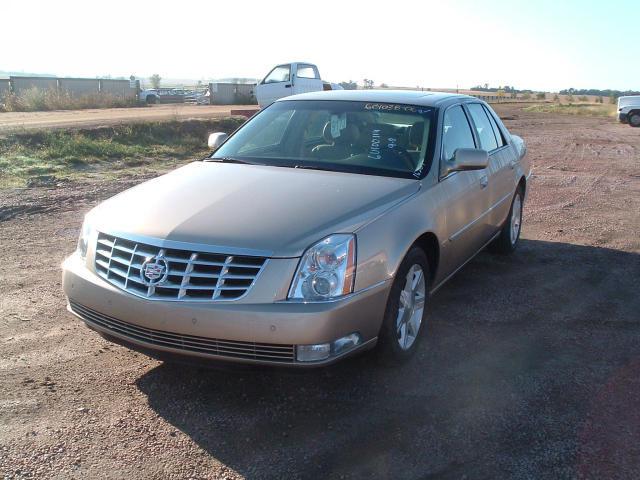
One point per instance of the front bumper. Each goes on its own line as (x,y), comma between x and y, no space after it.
(623,117)
(229,331)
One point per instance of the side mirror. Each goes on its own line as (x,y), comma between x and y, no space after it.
(217,139)
(467,159)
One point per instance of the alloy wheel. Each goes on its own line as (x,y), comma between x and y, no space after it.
(411,307)
(516,219)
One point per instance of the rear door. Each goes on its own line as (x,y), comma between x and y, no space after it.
(306,79)
(275,85)
(501,168)
(466,192)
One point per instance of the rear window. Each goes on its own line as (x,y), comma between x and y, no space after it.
(496,130)
(306,71)
(483,127)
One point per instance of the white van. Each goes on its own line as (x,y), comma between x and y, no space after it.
(291,79)
(629,110)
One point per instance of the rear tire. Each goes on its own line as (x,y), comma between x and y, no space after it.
(509,236)
(404,318)
(634,118)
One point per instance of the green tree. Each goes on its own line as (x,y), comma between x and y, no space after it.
(368,84)
(155,80)
(541,96)
(350,85)
(526,96)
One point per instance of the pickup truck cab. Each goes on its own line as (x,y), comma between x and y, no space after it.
(290,79)
(629,110)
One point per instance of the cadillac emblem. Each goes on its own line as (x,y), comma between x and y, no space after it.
(154,271)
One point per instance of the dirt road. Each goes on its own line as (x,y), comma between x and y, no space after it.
(11,121)
(529,370)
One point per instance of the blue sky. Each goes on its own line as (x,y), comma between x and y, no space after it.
(541,45)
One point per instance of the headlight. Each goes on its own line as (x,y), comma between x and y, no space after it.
(327,270)
(85,235)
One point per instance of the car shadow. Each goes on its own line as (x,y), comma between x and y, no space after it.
(517,348)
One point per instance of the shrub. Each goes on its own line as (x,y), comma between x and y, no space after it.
(350,85)
(541,96)
(583,98)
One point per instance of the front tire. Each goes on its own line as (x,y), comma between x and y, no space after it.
(634,118)
(509,236)
(404,316)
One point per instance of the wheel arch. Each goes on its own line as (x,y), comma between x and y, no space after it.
(429,244)
(522,183)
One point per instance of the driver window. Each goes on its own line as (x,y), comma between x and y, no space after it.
(456,132)
(281,73)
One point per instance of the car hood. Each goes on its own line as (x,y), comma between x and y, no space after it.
(271,211)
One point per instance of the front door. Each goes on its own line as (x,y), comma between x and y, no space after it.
(275,85)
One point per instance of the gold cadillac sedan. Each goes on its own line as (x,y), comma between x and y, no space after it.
(317,230)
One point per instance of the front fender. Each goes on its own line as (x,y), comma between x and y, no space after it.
(384,242)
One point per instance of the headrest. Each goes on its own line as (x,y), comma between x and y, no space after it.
(347,136)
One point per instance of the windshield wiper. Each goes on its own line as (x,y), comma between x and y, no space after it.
(229,160)
(308,167)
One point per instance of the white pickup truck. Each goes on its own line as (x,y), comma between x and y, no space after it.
(629,110)
(291,79)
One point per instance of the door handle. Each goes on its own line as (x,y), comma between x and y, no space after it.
(287,86)
(484,181)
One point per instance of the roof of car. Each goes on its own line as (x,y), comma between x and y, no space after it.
(410,97)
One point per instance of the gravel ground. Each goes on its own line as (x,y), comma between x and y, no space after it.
(529,369)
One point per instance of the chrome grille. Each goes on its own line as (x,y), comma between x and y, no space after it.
(226,348)
(193,276)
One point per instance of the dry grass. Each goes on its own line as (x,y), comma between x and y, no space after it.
(587,109)
(25,157)
(35,100)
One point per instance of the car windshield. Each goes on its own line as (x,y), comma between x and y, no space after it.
(359,137)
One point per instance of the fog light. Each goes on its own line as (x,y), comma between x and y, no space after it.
(345,343)
(313,353)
